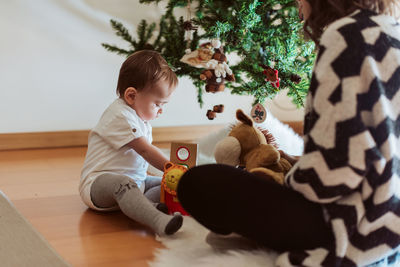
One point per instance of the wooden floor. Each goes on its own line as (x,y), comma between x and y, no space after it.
(43,185)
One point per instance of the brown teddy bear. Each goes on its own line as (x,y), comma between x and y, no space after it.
(247,146)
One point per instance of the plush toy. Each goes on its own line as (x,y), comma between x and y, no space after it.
(202,55)
(272,75)
(199,57)
(169,183)
(210,56)
(247,146)
(215,74)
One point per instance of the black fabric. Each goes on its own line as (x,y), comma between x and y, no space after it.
(227,199)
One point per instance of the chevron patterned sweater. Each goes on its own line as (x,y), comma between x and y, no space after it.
(351,161)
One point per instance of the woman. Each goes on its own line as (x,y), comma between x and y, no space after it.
(340,205)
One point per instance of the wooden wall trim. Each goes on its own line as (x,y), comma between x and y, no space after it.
(161,136)
(10,141)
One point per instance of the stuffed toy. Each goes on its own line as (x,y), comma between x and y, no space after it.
(215,74)
(202,55)
(210,56)
(247,146)
(272,75)
(169,183)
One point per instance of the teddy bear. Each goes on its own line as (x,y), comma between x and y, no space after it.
(247,146)
(169,183)
(215,74)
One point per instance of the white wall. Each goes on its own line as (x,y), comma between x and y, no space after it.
(55,75)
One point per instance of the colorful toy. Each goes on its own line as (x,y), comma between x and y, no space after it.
(247,146)
(169,184)
(183,156)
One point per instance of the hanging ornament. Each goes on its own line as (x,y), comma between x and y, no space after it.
(272,75)
(211,114)
(216,74)
(199,57)
(189,27)
(295,78)
(218,108)
(258,113)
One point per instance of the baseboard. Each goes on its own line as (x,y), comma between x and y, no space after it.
(162,136)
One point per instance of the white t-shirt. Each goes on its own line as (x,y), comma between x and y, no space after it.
(107,147)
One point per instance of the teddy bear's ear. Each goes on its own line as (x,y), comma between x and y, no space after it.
(243,117)
(168,165)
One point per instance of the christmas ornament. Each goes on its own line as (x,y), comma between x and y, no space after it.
(258,113)
(272,75)
(216,74)
(218,108)
(295,78)
(200,56)
(189,26)
(211,114)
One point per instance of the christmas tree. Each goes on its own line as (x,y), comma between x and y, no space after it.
(266,35)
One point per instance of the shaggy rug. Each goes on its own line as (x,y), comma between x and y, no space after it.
(189,247)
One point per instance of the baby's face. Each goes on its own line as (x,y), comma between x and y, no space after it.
(150,101)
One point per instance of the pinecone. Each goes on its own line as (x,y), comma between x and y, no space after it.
(188,26)
(295,78)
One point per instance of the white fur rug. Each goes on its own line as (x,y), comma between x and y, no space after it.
(188,247)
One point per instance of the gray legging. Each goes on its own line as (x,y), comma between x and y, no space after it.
(104,198)
(116,190)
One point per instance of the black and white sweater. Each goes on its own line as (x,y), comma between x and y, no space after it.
(351,161)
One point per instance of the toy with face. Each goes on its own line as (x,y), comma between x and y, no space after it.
(169,183)
(203,54)
(172,177)
(247,146)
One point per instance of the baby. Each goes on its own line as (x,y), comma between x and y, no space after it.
(114,175)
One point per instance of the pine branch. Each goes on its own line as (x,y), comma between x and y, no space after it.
(122,32)
(259,31)
(115,49)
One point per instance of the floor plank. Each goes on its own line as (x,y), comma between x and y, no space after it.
(43,185)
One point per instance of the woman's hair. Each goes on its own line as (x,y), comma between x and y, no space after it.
(325,12)
(143,69)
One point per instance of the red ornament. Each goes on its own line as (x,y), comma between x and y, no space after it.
(272,75)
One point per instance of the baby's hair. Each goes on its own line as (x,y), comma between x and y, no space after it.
(325,12)
(143,69)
